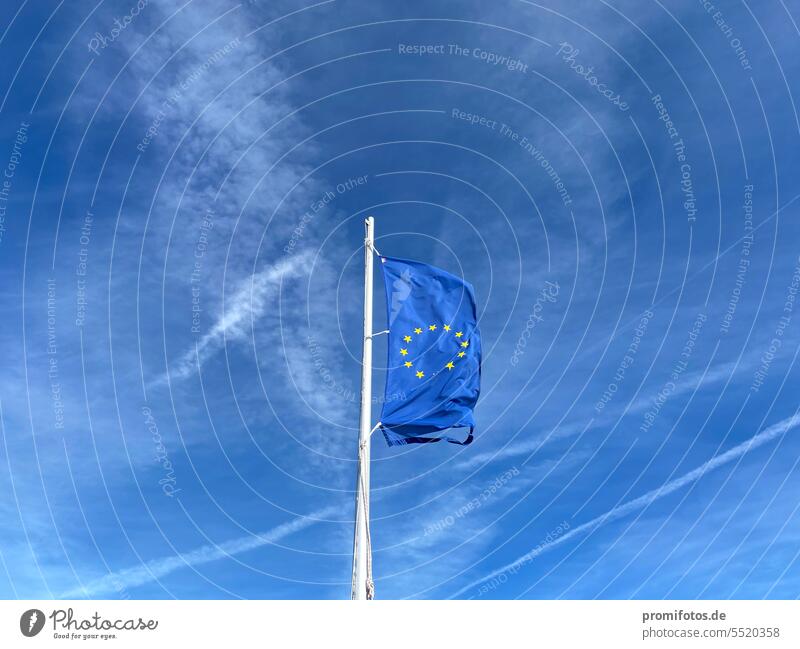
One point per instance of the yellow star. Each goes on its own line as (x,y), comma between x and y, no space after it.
(465,343)
(450,365)
(408,363)
(404,352)
(420,374)
(459,334)
(447,327)
(417,330)
(432,327)
(461,354)
(407,338)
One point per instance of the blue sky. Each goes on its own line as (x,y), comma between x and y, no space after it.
(181,290)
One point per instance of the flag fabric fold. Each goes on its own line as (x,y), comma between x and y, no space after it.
(434,354)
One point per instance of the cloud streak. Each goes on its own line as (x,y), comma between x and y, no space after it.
(767,435)
(248,303)
(158,568)
(691,382)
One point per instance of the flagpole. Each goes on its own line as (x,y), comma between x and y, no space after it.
(362,587)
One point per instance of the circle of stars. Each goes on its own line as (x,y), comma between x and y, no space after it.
(463,344)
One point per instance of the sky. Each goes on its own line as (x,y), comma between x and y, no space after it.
(181,229)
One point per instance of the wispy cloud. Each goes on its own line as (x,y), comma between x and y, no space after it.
(692,382)
(767,435)
(522,448)
(465,520)
(158,568)
(248,303)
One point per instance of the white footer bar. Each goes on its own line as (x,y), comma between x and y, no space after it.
(387,624)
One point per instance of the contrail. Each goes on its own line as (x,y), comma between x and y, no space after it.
(767,435)
(248,303)
(689,383)
(157,568)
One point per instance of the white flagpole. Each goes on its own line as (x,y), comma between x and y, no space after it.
(362,587)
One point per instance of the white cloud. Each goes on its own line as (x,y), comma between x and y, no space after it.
(158,568)
(767,435)
(248,303)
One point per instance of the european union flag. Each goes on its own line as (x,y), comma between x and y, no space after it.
(434,360)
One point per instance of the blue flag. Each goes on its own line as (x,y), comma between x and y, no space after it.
(434,360)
